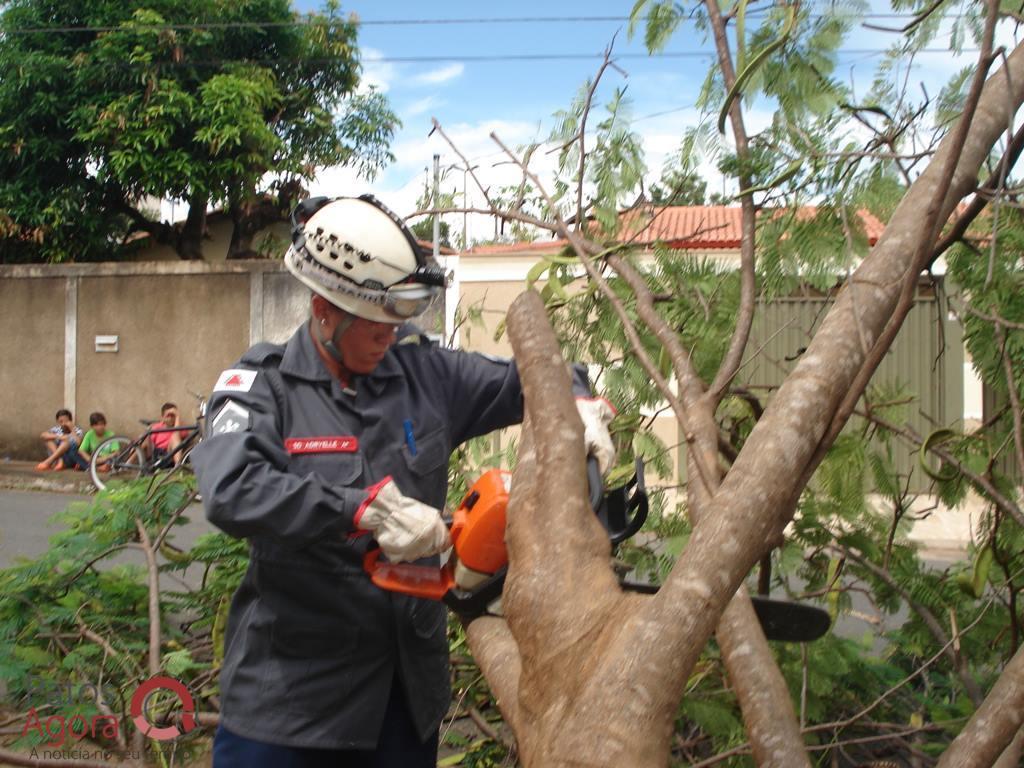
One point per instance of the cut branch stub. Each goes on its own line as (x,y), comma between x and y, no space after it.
(555,523)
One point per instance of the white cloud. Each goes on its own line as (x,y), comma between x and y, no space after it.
(420,106)
(376,74)
(441,75)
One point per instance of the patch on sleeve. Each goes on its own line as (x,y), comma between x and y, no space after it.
(232,417)
(235,380)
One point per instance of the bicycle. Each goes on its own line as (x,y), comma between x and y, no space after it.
(123,458)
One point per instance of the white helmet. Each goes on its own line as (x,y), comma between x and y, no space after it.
(362,258)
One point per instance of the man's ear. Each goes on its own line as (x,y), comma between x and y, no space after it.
(319,307)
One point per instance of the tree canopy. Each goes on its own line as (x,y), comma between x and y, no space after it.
(107,107)
(782,477)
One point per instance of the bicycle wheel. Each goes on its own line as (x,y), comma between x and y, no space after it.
(116,458)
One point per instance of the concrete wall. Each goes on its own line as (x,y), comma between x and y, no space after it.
(32,371)
(177,325)
(175,334)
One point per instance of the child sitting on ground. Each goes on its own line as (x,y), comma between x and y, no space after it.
(97,433)
(62,440)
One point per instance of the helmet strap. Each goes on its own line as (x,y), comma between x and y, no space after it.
(331,343)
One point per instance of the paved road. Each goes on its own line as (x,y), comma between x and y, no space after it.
(25,525)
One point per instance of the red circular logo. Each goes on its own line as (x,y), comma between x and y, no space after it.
(141,697)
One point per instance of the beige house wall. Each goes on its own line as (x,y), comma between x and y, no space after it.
(490,284)
(493,300)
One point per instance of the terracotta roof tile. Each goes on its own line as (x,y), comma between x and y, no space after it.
(679,226)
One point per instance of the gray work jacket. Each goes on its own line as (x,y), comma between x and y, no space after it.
(312,645)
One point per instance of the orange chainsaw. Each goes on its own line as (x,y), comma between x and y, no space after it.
(474,575)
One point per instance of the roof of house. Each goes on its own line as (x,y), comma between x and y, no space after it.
(428,247)
(695,227)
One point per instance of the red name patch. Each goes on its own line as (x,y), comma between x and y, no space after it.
(339,444)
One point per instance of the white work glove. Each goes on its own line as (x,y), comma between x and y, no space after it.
(596,414)
(406,529)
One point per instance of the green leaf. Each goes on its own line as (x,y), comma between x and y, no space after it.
(33,655)
(177,663)
(936,438)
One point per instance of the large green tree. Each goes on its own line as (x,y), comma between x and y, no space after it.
(106,107)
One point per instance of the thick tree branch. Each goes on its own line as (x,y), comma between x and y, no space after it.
(551,456)
(949,186)
(497,654)
(994,725)
(562,599)
(1012,754)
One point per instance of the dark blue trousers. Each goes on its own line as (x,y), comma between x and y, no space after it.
(397,747)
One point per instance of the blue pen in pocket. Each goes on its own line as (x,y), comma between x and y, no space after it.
(410,439)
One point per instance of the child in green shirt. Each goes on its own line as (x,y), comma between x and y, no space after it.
(97,433)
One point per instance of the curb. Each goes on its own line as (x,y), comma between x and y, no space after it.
(13,482)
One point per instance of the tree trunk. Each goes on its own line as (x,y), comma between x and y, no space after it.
(252,215)
(190,240)
(248,219)
(764,699)
(1012,754)
(996,723)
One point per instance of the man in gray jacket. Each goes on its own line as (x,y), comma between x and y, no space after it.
(314,449)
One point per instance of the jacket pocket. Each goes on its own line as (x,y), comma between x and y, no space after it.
(431,453)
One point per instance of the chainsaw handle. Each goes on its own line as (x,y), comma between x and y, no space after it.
(430,582)
(595,483)
(621,513)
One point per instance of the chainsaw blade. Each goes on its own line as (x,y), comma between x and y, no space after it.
(784,621)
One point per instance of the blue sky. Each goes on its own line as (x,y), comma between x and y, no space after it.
(516,97)
(513,97)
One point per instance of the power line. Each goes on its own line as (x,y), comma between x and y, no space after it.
(491,58)
(227,25)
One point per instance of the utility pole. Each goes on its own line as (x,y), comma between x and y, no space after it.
(435,206)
